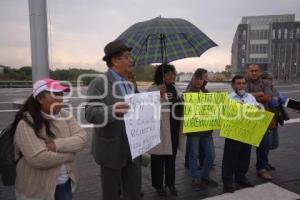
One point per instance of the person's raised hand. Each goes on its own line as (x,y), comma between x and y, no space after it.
(120,108)
(163,90)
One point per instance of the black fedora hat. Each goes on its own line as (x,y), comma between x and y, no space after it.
(113,48)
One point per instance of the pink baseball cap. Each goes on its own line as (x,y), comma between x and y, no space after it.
(47,84)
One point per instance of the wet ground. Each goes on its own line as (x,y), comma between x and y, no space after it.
(286,158)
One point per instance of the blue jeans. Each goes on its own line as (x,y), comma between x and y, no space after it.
(262,152)
(63,191)
(274,139)
(206,142)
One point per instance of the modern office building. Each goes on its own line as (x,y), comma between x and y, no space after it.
(273,41)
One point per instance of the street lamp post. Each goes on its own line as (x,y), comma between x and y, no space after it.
(39,39)
(296,71)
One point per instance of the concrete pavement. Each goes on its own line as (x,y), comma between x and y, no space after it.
(286,158)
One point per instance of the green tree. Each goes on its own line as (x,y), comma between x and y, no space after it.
(227,72)
(145,73)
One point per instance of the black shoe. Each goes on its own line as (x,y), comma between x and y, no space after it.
(209,182)
(173,190)
(228,189)
(269,167)
(161,192)
(245,183)
(213,166)
(186,165)
(142,194)
(196,183)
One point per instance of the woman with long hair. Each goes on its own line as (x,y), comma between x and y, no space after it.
(46,139)
(202,139)
(163,155)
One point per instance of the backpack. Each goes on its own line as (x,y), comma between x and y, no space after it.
(7,153)
(7,156)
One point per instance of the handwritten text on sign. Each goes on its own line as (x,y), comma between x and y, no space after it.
(143,122)
(215,111)
(245,123)
(202,111)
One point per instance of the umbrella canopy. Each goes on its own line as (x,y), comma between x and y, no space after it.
(162,40)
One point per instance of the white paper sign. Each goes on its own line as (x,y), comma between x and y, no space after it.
(143,122)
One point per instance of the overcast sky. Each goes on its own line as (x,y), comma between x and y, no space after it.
(79,29)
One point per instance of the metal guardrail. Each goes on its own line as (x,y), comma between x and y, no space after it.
(28,84)
(15,84)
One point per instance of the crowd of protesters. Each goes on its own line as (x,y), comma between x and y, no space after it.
(111,146)
(47,140)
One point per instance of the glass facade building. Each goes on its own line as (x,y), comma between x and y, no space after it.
(272,41)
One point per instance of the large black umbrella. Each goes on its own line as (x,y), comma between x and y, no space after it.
(162,40)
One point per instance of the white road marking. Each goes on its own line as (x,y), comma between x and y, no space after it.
(291,121)
(21,94)
(291,91)
(5,111)
(67,108)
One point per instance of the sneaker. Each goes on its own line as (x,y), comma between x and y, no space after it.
(209,182)
(265,175)
(228,189)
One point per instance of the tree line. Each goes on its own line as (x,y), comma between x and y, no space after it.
(71,74)
(25,74)
(145,73)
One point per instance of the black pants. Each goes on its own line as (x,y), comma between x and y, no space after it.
(129,177)
(236,161)
(162,167)
(63,191)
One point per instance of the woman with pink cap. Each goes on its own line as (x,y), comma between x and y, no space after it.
(46,141)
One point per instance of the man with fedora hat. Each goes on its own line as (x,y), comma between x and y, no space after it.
(106,107)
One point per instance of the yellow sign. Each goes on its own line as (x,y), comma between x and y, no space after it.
(244,123)
(202,111)
(215,111)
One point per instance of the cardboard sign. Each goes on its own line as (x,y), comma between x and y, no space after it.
(143,122)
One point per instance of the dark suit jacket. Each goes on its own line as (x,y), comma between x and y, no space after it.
(110,146)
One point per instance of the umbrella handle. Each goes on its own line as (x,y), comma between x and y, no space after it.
(163,48)
(163,53)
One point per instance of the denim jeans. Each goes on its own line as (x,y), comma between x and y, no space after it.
(262,152)
(206,142)
(63,191)
(274,139)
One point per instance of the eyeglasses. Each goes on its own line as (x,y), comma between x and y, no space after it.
(125,56)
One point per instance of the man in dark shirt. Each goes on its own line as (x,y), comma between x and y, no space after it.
(261,90)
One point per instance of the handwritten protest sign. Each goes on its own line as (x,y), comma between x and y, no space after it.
(244,123)
(202,111)
(215,111)
(143,122)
